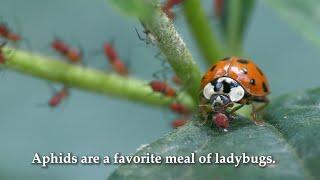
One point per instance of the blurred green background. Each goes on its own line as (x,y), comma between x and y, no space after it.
(92,124)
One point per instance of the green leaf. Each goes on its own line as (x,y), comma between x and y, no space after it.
(136,8)
(297,117)
(291,135)
(302,15)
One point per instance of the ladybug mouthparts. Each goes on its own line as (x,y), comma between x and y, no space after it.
(220,101)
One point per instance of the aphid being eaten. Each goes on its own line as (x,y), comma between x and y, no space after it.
(221,121)
(8,34)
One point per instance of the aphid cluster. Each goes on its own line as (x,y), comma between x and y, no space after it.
(184,113)
(168,91)
(230,81)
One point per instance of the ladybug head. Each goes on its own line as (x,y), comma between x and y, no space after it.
(223,91)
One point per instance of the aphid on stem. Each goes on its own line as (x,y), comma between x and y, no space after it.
(168,5)
(110,52)
(180,108)
(178,122)
(8,34)
(163,88)
(71,54)
(58,97)
(218,7)
(117,64)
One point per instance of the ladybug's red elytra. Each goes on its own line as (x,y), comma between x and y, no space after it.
(234,80)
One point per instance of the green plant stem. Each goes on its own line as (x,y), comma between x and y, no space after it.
(172,46)
(200,28)
(234,40)
(86,78)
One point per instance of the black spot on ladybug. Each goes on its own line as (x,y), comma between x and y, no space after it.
(226,87)
(243,61)
(213,67)
(264,86)
(259,70)
(244,70)
(252,81)
(225,59)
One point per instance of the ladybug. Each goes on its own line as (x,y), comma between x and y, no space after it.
(234,80)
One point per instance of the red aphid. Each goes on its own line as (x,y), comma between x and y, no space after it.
(114,60)
(168,12)
(110,52)
(179,108)
(120,67)
(2,58)
(58,97)
(218,5)
(60,46)
(158,86)
(162,87)
(178,122)
(74,55)
(170,92)
(168,5)
(65,50)
(171,3)
(221,120)
(6,33)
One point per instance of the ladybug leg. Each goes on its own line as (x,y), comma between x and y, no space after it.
(233,110)
(255,110)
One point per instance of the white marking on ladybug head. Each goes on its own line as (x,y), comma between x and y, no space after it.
(219,100)
(226,86)
(208,91)
(236,93)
